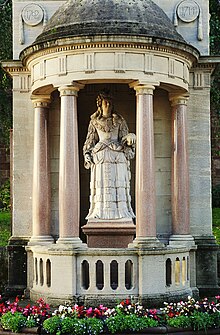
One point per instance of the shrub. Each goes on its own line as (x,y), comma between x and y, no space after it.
(120,323)
(72,325)
(94,326)
(13,321)
(5,196)
(201,321)
(216,223)
(52,325)
(31,322)
(180,321)
(125,317)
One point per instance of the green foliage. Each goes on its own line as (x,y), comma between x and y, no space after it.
(197,321)
(216,223)
(5,80)
(201,321)
(180,321)
(13,321)
(93,326)
(6,29)
(115,323)
(198,315)
(31,322)
(72,325)
(215,319)
(5,228)
(121,323)
(5,196)
(216,217)
(52,325)
(68,325)
(216,196)
(214,8)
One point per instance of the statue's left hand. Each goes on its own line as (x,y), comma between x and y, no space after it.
(129,139)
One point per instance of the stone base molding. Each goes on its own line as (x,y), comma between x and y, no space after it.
(182,240)
(146,243)
(109,233)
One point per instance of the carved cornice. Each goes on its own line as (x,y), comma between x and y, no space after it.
(203,66)
(34,52)
(14,68)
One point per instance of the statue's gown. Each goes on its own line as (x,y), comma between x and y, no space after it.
(110,169)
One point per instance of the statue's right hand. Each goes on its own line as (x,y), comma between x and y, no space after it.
(88,158)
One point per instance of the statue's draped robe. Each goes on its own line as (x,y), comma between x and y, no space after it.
(110,168)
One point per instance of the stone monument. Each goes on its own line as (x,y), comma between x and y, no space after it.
(108,149)
(153,56)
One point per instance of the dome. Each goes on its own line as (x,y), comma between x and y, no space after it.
(109,17)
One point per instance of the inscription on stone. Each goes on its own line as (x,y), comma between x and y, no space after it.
(32,14)
(188,10)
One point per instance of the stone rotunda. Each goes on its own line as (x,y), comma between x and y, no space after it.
(153,58)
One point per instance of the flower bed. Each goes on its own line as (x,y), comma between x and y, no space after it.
(201,317)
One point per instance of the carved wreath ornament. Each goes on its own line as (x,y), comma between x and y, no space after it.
(32,15)
(189,11)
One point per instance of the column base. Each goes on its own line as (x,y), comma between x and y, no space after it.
(109,233)
(181,240)
(39,240)
(74,242)
(146,243)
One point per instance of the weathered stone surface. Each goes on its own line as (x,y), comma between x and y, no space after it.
(97,17)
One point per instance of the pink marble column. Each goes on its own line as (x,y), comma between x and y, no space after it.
(145,171)
(69,189)
(41,174)
(180,172)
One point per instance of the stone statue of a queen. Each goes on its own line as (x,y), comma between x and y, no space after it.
(107,151)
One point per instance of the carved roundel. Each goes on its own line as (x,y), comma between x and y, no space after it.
(32,14)
(188,10)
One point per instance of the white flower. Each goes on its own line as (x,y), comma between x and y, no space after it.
(61,308)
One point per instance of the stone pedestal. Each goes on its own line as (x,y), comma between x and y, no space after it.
(17,267)
(206,265)
(109,233)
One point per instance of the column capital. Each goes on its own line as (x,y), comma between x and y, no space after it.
(41,100)
(142,88)
(70,89)
(180,99)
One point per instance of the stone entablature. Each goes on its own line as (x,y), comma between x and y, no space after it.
(21,76)
(107,61)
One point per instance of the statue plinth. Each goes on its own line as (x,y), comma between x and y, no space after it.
(116,233)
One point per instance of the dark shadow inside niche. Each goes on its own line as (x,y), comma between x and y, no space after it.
(125,104)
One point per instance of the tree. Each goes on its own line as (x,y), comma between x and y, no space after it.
(5,80)
(215,99)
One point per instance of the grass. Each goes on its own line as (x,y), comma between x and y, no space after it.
(216,223)
(5,228)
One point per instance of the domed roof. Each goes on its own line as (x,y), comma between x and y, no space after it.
(109,17)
